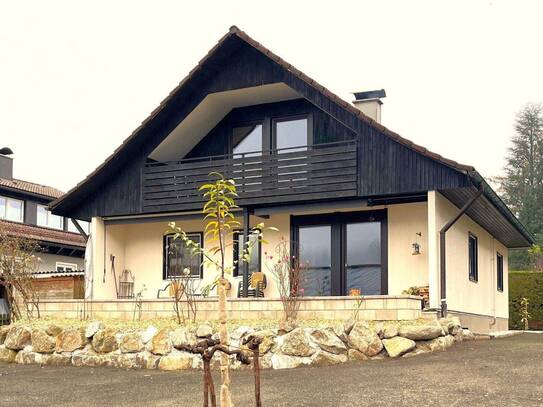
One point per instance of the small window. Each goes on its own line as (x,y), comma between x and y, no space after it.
(11,209)
(499,271)
(254,261)
(290,134)
(61,266)
(47,219)
(473,258)
(247,140)
(177,257)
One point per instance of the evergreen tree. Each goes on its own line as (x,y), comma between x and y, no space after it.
(522,184)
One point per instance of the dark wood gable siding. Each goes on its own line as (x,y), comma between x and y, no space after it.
(387,166)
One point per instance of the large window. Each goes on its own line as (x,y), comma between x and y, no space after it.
(11,209)
(247,140)
(47,219)
(254,260)
(290,133)
(177,257)
(345,253)
(473,258)
(499,272)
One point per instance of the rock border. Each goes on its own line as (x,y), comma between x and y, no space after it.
(286,347)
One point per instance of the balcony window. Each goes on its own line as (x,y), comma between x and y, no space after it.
(11,209)
(247,140)
(47,219)
(291,133)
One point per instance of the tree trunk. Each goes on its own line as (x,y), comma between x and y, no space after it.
(226,399)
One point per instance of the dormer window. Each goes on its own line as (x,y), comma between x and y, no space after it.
(11,209)
(47,219)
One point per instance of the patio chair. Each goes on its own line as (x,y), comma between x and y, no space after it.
(257,285)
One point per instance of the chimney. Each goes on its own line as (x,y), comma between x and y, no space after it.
(6,163)
(370,103)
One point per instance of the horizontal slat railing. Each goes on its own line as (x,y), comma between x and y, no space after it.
(321,171)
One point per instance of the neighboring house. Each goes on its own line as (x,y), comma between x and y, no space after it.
(24,212)
(365,205)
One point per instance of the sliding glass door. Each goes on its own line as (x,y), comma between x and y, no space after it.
(344,252)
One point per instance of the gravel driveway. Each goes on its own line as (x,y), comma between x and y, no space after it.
(501,372)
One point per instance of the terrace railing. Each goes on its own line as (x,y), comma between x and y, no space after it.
(316,172)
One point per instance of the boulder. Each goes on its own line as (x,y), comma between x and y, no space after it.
(467,335)
(131,343)
(4,332)
(437,344)
(7,355)
(70,340)
(58,359)
(121,360)
(323,358)
(328,341)
(105,341)
(279,361)
(182,336)
(398,346)
(161,343)
(53,330)
(286,326)
(364,339)
(148,334)
(348,325)
(354,354)
(88,357)
(146,360)
(92,328)
(390,331)
(17,337)
(27,357)
(297,343)
(42,342)
(421,332)
(204,331)
(240,332)
(176,361)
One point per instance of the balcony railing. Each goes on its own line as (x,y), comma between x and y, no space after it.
(322,171)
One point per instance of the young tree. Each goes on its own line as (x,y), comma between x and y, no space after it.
(220,225)
(522,184)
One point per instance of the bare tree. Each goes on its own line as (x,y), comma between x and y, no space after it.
(18,262)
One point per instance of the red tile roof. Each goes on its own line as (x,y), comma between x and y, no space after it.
(32,187)
(42,234)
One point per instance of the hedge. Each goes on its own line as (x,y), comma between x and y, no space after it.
(527,284)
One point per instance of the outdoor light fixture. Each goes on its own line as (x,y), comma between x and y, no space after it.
(416,245)
(6,151)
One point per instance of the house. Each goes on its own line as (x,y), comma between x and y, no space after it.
(24,212)
(371,212)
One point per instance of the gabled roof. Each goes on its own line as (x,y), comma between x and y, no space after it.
(26,186)
(42,234)
(99,175)
(235,31)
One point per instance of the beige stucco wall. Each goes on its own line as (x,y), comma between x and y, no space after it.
(138,247)
(481,297)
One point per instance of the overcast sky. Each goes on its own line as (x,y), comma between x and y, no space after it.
(77,77)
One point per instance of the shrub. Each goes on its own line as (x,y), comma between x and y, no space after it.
(526,284)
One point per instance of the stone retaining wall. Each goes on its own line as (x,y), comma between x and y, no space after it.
(372,307)
(286,347)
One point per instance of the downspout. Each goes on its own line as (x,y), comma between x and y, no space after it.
(442,249)
(246,231)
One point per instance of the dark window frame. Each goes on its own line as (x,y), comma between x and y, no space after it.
(264,142)
(235,255)
(473,264)
(339,221)
(287,118)
(165,275)
(499,272)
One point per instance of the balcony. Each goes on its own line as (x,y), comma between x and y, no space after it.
(309,173)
